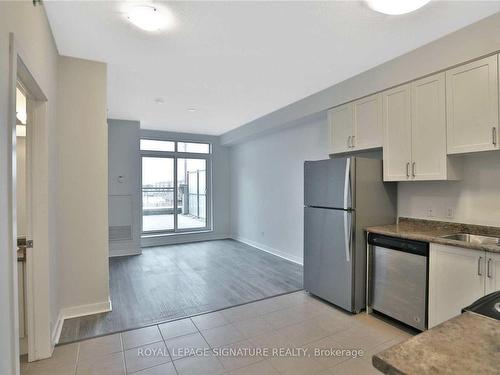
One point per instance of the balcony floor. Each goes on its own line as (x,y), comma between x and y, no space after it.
(166,222)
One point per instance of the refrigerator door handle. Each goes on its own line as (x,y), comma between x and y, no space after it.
(347,224)
(347,183)
(347,233)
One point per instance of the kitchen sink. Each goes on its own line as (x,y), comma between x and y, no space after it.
(473,238)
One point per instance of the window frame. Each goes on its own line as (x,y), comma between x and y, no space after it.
(175,155)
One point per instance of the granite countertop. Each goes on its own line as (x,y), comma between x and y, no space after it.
(431,231)
(466,344)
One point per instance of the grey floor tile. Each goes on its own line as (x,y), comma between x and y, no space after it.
(222,335)
(177,328)
(165,369)
(199,366)
(111,364)
(188,345)
(100,346)
(140,337)
(211,320)
(146,356)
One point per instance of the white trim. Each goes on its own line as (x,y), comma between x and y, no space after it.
(83,310)
(56,331)
(270,250)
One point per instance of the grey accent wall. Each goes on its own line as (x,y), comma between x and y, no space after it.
(220,190)
(124,186)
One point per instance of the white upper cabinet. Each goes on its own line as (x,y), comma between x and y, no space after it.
(472,106)
(428,131)
(340,121)
(368,131)
(397,133)
(415,132)
(356,126)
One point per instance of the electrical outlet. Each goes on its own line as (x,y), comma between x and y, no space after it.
(430,212)
(450,212)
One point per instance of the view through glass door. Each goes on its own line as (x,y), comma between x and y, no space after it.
(175,187)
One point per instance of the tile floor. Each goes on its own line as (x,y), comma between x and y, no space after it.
(227,342)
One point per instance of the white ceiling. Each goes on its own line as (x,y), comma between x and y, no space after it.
(237,61)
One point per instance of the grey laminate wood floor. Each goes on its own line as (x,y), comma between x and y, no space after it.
(171,282)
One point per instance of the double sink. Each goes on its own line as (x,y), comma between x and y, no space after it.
(473,238)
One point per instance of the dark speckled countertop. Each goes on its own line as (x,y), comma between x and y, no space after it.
(431,231)
(466,344)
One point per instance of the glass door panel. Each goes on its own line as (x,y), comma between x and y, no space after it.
(192,193)
(157,194)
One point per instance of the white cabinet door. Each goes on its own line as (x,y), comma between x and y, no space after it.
(368,132)
(428,122)
(472,106)
(397,133)
(492,272)
(456,279)
(340,121)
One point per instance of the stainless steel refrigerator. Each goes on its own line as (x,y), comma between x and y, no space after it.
(342,196)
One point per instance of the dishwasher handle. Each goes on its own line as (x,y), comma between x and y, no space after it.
(399,244)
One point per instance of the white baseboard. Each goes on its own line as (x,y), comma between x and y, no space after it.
(76,312)
(270,250)
(56,331)
(82,310)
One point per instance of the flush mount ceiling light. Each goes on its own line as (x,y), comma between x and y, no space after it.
(394,7)
(159,101)
(191,109)
(148,18)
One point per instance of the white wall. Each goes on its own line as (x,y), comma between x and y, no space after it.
(267,181)
(475,199)
(82,139)
(39,53)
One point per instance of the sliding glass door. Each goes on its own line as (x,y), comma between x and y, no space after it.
(175,190)
(157,194)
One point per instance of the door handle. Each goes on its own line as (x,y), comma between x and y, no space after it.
(413,169)
(488,270)
(479,271)
(408,170)
(494,135)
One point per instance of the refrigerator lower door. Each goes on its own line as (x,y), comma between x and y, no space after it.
(327,261)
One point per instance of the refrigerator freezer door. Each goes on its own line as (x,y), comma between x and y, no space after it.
(327,183)
(327,270)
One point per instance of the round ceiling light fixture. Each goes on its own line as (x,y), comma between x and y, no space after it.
(148,18)
(395,7)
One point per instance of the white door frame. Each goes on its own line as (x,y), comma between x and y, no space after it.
(40,344)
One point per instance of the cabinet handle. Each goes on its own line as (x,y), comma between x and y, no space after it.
(353,143)
(408,170)
(349,142)
(479,271)
(494,135)
(488,272)
(413,169)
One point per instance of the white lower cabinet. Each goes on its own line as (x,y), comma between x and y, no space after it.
(492,272)
(458,277)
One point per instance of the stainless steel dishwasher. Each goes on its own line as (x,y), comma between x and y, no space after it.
(398,279)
